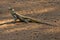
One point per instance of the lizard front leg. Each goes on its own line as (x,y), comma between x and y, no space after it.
(15,18)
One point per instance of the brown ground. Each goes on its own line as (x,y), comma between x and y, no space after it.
(44,10)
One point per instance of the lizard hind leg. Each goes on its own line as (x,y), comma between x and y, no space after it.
(26,21)
(23,20)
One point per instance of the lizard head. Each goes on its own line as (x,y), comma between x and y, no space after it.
(10,8)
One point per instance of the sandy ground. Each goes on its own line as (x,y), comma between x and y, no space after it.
(44,10)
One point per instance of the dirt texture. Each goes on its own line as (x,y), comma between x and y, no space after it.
(44,10)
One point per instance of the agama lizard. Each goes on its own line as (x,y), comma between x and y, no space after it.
(25,18)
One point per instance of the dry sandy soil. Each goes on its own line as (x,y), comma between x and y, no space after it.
(44,10)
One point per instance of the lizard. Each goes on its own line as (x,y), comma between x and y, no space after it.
(24,18)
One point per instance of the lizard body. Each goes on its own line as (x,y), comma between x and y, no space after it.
(25,18)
